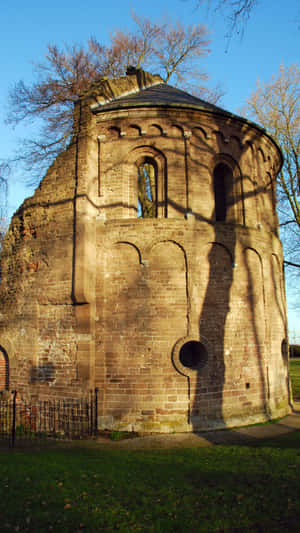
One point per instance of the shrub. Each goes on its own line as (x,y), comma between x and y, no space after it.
(294,350)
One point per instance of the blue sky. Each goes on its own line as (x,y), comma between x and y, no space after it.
(272,37)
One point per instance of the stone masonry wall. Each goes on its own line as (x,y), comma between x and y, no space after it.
(221,296)
(38,328)
(94,296)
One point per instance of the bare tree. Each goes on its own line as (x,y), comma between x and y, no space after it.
(237,12)
(276,106)
(170,50)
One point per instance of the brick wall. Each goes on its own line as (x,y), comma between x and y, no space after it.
(92,295)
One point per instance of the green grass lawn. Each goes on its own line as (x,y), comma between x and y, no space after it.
(295,377)
(213,489)
(221,488)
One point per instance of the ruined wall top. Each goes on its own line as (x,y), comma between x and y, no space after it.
(111,88)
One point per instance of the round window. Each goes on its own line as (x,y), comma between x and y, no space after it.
(193,354)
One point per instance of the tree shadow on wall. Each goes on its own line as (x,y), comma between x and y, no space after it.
(207,404)
(216,397)
(207,387)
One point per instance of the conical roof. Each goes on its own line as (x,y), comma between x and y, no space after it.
(159,95)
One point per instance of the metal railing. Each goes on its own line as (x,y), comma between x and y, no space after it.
(69,418)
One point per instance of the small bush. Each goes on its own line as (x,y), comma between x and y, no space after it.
(294,350)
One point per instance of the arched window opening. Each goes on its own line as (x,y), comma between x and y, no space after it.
(223,184)
(147,189)
(4,370)
(147,183)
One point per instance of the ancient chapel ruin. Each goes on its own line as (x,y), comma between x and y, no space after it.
(147,264)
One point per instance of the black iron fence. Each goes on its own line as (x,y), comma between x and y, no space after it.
(69,418)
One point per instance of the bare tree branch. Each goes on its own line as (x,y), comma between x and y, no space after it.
(276,106)
(236,12)
(296,265)
(164,48)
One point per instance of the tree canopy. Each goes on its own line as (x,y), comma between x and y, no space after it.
(169,49)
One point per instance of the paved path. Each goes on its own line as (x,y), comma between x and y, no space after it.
(246,435)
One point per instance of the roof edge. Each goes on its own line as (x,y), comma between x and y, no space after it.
(111,91)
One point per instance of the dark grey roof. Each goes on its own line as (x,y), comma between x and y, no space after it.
(160,95)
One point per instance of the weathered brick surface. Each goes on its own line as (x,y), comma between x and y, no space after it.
(92,296)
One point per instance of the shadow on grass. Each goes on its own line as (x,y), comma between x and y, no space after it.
(290,439)
(224,438)
(214,489)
